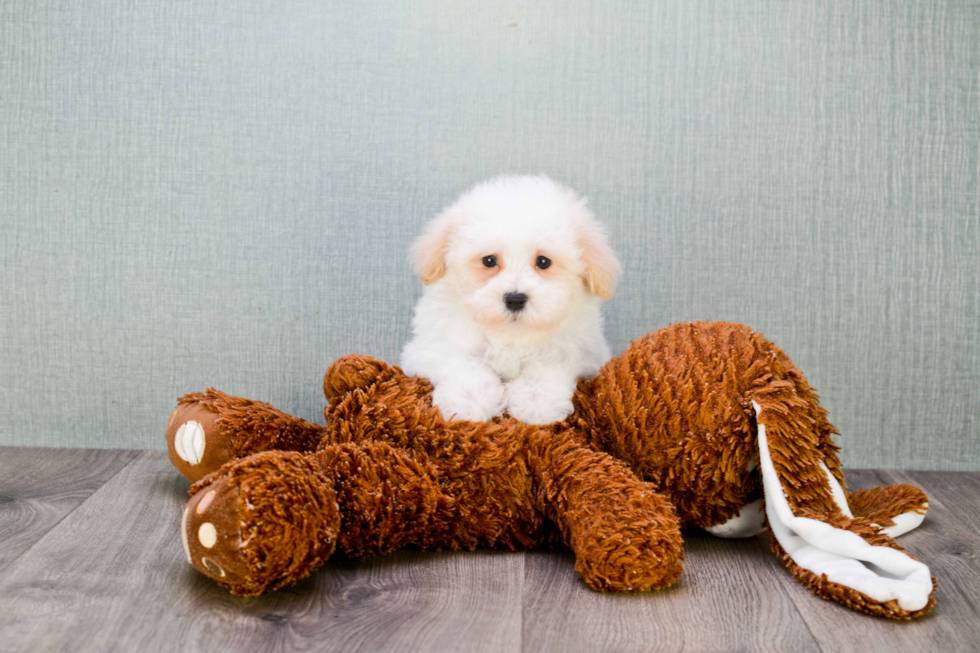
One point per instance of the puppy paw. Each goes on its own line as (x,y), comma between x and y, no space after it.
(475,404)
(538,402)
(540,414)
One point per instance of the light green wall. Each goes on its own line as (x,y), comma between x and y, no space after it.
(201,193)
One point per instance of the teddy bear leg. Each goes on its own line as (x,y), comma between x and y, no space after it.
(838,556)
(897,508)
(268,520)
(625,535)
(207,429)
(261,522)
(388,499)
(631,544)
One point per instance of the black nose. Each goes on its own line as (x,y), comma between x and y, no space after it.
(514,301)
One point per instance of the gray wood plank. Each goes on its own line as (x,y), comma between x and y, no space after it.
(946,543)
(449,601)
(38,487)
(113,576)
(727,599)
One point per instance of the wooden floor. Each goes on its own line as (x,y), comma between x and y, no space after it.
(91,560)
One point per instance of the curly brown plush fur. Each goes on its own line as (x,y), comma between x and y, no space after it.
(676,410)
(676,405)
(401,476)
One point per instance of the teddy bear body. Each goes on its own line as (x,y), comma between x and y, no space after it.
(402,476)
(667,436)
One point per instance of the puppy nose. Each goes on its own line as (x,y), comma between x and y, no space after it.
(514,301)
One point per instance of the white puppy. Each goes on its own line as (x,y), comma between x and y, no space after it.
(510,319)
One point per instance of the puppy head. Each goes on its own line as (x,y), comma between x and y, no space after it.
(519,250)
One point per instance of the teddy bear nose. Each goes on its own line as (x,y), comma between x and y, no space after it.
(514,301)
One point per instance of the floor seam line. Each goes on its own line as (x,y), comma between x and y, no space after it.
(9,564)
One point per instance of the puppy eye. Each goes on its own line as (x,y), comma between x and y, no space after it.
(490,261)
(543,262)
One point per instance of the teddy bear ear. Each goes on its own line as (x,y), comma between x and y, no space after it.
(429,249)
(602,268)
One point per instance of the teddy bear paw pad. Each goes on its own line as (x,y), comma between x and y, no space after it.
(211,533)
(196,441)
(189,442)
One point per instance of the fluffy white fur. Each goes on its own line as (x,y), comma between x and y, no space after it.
(483,358)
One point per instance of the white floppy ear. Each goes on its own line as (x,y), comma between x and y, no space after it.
(601,265)
(429,249)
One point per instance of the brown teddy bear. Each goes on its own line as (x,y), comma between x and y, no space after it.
(720,426)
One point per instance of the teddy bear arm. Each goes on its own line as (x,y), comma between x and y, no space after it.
(394,408)
(207,429)
(353,372)
(267,520)
(625,535)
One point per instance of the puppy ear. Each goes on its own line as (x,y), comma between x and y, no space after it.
(429,249)
(601,265)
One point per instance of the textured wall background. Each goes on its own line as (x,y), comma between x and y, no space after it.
(200,193)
